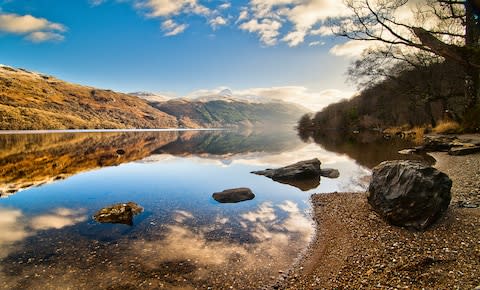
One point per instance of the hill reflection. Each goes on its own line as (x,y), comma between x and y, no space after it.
(28,160)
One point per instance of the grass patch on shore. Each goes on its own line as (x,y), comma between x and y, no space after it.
(418,135)
(448,127)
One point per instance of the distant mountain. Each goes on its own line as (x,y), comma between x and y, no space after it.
(231,113)
(34,101)
(151,97)
(30,100)
(228,96)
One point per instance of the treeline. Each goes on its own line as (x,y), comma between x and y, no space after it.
(419,96)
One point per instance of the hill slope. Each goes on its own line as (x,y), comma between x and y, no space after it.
(34,101)
(219,113)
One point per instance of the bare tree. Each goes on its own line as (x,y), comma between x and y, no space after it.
(441,28)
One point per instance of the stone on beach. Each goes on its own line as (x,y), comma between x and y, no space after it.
(409,193)
(234,195)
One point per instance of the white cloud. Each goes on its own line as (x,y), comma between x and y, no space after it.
(167,9)
(316,43)
(323,31)
(225,5)
(353,48)
(294,38)
(35,29)
(164,8)
(217,21)
(243,15)
(314,100)
(301,15)
(172,28)
(96,2)
(267,29)
(41,36)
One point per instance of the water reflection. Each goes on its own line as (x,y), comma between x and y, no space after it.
(28,160)
(367,148)
(185,253)
(183,239)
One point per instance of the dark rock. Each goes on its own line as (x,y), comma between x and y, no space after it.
(329,173)
(121,213)
(409,193)
(303,174)
(437,143)
(458,151)
(120,152)
(234,195)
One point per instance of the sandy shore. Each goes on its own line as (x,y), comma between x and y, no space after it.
(355,249)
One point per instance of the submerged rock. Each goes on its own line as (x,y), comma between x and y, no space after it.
(121,213)
(234,195)
(304,174)
(409,193)
(330,173)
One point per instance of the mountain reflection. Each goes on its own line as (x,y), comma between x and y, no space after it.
(28,160)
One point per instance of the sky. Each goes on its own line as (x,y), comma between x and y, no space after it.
(280,48)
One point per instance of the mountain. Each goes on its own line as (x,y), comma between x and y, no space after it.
(150,97)
(34,101)
(228,96)
(231,113)
(30,100)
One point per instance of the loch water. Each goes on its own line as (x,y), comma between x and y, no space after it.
(52,184)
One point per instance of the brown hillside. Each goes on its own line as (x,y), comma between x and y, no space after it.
(34,101)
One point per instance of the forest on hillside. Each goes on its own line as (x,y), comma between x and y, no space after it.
(421,73)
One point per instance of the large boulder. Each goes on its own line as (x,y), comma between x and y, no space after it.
(409,193)
(304,174)
(234,195)
(121,213)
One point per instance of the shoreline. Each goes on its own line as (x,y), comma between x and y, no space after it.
(20,132)
(354,248)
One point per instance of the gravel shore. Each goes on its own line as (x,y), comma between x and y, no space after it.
(355,249)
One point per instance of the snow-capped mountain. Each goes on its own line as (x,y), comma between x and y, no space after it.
(228,96)
(150,97)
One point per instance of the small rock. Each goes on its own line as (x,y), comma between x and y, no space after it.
(329,173)
(408,151)
(234,195)
(121,213)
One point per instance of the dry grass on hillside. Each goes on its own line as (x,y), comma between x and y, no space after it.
(34,101)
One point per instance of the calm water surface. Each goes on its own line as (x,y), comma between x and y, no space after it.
(52,184)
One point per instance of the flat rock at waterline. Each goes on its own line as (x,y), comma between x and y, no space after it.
(304,174)
(121,213)
(409,193)
(458,151)
(234,195)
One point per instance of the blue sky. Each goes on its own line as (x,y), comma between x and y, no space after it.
(181,46)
